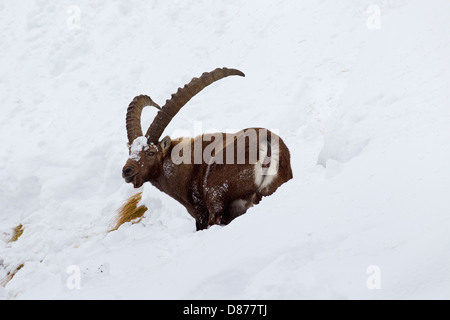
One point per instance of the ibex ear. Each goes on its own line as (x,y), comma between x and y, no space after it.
(165,145)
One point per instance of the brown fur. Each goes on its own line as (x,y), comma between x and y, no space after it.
(213,192)
(208,191)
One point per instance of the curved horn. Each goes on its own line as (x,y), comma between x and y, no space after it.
(134,112)
(183,95)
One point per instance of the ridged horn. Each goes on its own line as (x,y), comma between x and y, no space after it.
(183,95)
(134,112)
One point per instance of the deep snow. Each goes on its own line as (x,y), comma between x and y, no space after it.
(358,90)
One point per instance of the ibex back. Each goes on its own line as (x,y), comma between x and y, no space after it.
(216,177)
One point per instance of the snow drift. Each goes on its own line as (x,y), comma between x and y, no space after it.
(359,96)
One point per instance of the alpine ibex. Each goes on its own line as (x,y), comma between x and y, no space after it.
(216,177)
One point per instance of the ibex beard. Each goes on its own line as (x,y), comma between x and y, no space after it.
(216,177)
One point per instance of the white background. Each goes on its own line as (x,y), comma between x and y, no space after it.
(359,91)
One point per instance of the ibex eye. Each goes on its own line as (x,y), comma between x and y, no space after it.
(151,154)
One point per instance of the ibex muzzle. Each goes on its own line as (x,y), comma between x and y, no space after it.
(234,171)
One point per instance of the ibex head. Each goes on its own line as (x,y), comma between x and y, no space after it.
(144,162)
(147,152)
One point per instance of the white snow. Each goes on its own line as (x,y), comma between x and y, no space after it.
(358,90)
(139,144)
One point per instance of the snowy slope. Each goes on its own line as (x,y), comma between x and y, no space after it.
(361,100)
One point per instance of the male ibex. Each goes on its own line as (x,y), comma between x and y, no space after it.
(216,177)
